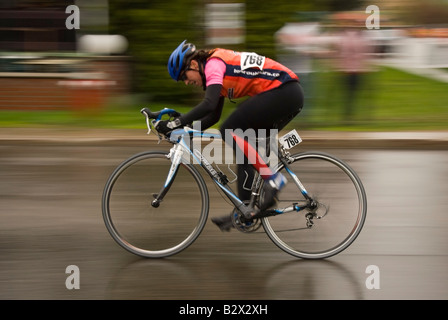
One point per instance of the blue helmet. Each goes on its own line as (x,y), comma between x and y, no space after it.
(177,60)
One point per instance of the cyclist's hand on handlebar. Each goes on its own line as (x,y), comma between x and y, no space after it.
(166,126)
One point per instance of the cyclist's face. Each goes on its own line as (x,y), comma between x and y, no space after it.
(192,76)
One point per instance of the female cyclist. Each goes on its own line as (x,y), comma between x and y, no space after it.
(275,98)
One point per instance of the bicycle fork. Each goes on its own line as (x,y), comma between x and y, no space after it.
(176,156)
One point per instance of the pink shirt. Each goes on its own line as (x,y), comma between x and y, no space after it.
(214,71)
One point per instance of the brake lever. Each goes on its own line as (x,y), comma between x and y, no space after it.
(158,133)
(147,121)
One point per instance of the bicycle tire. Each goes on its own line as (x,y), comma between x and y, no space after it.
(335,184)
(142,229)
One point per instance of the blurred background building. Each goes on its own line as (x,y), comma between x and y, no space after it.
(44,64)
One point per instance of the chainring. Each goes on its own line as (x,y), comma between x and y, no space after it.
(242,224)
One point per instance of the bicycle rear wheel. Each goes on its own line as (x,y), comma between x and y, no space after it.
(342,202)
(143,229)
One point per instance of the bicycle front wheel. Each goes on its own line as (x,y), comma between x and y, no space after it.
(341,211)
(147,231)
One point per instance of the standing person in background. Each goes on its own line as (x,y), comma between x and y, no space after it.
(352,61)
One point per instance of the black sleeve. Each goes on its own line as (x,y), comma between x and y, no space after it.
(207,107)
(212,118)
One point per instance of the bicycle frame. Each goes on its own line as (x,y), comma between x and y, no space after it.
(181,146)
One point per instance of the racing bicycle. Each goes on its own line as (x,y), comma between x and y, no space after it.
(156,203)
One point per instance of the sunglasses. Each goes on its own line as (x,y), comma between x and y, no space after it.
(183,75)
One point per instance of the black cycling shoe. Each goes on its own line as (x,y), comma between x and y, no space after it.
(224,223)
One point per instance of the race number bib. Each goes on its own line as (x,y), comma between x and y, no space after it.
(252,60)
(289,140)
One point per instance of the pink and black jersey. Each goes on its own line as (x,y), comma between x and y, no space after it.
(248,74)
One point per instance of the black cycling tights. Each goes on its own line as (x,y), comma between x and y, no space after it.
(272,109)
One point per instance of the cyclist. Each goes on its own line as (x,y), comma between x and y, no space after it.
(275,98)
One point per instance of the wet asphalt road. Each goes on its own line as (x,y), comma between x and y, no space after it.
(50,218)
